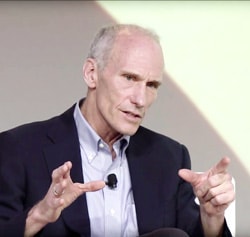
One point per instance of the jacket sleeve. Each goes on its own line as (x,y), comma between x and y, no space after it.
(188,211)
(12,187)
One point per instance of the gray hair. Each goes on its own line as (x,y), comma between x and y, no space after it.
(104,40)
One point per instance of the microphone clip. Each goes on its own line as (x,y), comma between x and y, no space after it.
(112,181)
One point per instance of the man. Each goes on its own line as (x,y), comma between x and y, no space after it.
(53,173)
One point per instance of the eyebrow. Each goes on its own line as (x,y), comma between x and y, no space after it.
(137,76)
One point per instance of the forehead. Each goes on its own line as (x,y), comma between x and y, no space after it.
(138,53)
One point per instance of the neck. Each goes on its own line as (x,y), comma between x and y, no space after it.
(106,133)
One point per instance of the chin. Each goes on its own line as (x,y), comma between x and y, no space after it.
(129,131)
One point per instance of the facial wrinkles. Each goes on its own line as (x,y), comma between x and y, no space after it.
(118,95)
(144,56)
(146,73)
(108,96)
(134,56)
(105,126)
(121,88)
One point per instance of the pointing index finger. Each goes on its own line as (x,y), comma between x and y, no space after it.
(221,166)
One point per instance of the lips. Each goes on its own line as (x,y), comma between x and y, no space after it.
(133,115)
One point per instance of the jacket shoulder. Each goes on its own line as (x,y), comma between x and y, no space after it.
(34,130)
(148,136)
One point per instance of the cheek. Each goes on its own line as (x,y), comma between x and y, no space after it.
(113,95)
(151,97)
(108,101)
(117,96)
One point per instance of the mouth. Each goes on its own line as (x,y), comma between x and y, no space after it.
(132,115)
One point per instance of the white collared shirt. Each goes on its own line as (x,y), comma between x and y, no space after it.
(111,211)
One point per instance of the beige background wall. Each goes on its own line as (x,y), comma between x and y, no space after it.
(42,49)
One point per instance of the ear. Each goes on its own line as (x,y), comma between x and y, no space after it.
(90,72)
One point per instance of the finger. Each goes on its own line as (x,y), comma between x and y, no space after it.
(226,198)
(59,188)
(220,194)
(220,202)
(221,166)
(223,199)
(92,186)
(61,172)
(191,177)
(68,168)
(219,183)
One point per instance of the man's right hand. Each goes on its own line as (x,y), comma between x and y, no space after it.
(62,193)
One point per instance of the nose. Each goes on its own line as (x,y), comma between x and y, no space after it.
(138,96)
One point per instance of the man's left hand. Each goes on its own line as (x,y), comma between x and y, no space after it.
(215,191)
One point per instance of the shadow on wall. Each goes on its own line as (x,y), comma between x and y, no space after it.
(174,115)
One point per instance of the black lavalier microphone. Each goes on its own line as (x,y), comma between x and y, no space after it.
(112,181)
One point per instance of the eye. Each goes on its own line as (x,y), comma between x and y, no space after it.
(153,84)
(129,77)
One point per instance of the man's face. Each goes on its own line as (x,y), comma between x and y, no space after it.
(128,85)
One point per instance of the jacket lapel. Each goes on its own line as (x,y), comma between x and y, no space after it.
(145,179)
(65,147)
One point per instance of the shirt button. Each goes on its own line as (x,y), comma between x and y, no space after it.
(101,145)
(112,212)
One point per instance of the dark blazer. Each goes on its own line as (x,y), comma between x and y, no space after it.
(29,153)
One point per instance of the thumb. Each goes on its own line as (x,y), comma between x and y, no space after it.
(189,176)
(92,186)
